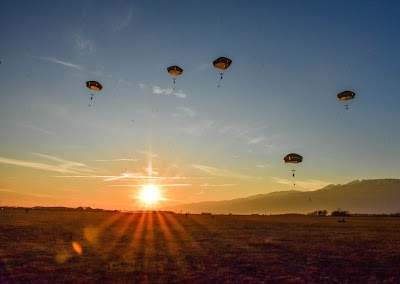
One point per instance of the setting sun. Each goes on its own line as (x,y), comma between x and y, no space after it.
(150,194)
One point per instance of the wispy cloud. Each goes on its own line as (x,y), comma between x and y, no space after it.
(217,185)
(125,176)
(37,128)
(168,91)
(150,171)
(118,160)
(83,44)
(255,140)
(123,81)
(244,135)
(61,166)
(27,193)
(61,62)
(122,18)
(263,166)
(148,153)
(185,112)
(35,165)
(157,90)
(7,190)
(203,66)
(76,166)
(220,172)
(158,185)
(199,128)
(130,176)
(311,184)
(39,194)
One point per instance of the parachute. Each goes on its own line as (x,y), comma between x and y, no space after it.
(293,158)
(175,71)
(94,86)
(222,63)
(345,96)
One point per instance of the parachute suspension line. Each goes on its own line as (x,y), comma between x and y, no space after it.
(91,98)
(294,181)
(220,79)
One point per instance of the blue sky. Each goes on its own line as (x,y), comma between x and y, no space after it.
(290,59)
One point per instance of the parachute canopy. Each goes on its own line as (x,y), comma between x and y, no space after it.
(93,85)
(222,63)
(293,158)
(346,95)
(175,70)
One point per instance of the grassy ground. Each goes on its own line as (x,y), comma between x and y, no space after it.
(87,247)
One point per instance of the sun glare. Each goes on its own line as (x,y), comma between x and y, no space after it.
(150,194)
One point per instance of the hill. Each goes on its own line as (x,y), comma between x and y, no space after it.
(376,196)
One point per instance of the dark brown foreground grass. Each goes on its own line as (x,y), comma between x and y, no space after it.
(101,247)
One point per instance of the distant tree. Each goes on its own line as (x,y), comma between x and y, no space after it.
(341,213)
(319,213)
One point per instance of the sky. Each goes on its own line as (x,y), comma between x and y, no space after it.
(197,142)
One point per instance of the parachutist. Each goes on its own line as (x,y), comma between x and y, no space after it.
(174,71)
(222,63)
(293,158)
(345,96)
(95,86)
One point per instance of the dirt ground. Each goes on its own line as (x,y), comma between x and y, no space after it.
(103,247)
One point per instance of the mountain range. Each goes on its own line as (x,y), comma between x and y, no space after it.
(376,196)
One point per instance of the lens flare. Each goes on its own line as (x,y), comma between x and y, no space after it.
(150,194)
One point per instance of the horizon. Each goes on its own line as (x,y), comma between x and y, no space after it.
(147,140)
(176,209)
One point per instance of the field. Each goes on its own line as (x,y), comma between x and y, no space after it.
(87,247)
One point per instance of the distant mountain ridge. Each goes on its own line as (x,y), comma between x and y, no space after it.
(376,196)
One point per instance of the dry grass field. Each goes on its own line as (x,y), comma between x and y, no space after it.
(104,247)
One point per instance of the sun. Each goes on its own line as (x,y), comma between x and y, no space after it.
(150,194)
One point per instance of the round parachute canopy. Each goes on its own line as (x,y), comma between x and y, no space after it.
(222,63)
(293,158)
(93,85)
(346,95)
(175,70)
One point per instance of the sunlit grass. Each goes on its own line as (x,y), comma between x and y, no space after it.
(160,248)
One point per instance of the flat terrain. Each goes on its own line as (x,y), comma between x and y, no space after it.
(87,247)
